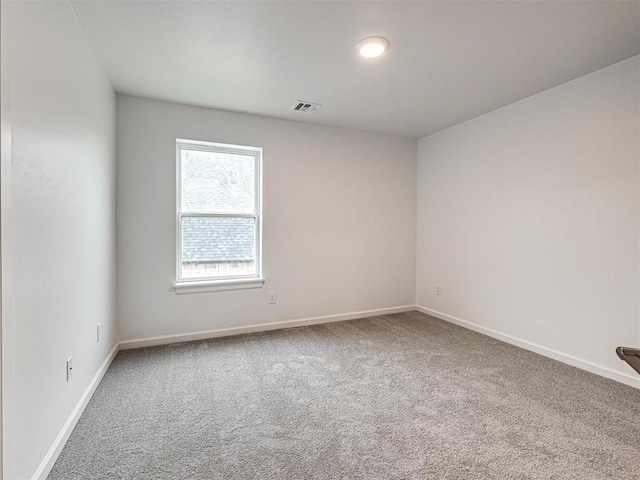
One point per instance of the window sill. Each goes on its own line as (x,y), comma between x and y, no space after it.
(217,286)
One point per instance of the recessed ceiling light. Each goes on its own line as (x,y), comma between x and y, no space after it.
(372,46)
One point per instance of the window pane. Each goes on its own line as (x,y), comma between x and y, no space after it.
(217,182)
(218,247)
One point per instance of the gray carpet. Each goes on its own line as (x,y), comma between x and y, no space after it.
(402,396)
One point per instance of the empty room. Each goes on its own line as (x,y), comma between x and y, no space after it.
(320,240)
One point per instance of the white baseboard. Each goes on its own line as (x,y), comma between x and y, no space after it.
(52,455)
(260,327)
(547,352)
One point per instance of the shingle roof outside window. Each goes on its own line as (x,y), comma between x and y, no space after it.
(217,239)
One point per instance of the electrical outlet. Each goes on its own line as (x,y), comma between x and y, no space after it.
(98,332)
(437,289)
(272,297)
(69,368)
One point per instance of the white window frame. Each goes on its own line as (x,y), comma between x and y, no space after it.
(233,282)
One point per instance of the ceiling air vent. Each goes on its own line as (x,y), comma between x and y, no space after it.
(305,107)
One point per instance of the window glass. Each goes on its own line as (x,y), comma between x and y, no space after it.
(218,246)
(217,182)
(218,211)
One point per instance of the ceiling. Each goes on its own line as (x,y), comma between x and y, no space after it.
(449,61)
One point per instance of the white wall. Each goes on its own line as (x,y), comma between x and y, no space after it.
(58,208)
(528,218)
(339,220)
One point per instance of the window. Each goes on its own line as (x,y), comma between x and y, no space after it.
(218,220)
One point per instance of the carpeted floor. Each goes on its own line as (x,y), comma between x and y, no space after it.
(402,396)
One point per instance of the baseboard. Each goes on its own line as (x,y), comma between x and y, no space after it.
(547,352)
(260,327)
(52,455)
